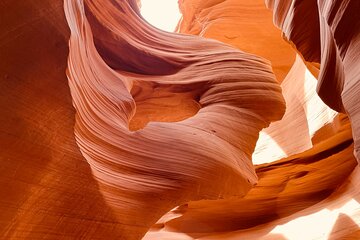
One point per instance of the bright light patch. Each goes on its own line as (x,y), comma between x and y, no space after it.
(267,150)
(314,104)
(163,14)
(318,225)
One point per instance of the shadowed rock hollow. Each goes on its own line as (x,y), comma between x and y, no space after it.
(242,125)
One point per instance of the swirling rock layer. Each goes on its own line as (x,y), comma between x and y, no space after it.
(163,120)
(163,165)
(246,25)
(333,41)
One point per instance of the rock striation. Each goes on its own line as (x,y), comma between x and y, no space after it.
(163,164)
(113,129)
(333,42)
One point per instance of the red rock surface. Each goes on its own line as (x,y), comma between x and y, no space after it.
(163,165)
(333,41)
(167,125)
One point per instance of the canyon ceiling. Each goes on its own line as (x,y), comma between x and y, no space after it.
(244,124)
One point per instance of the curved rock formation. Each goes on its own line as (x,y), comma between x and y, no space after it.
(246,25)
(162,164)
(306,122)
(46,187)
(167,125)
(333,41)
(285,192)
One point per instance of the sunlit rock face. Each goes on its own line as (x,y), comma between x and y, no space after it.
(333,41)
(246,25)
(145,171)
(113,129)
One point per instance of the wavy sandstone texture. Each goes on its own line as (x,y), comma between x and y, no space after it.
(168,126)
(162,165)
(332,41)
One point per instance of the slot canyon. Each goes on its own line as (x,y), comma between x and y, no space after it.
(242,123)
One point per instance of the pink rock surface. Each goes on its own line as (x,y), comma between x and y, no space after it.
(327,32)
(168,126)
(163,164)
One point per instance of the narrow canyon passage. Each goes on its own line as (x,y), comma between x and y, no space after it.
(240,124)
